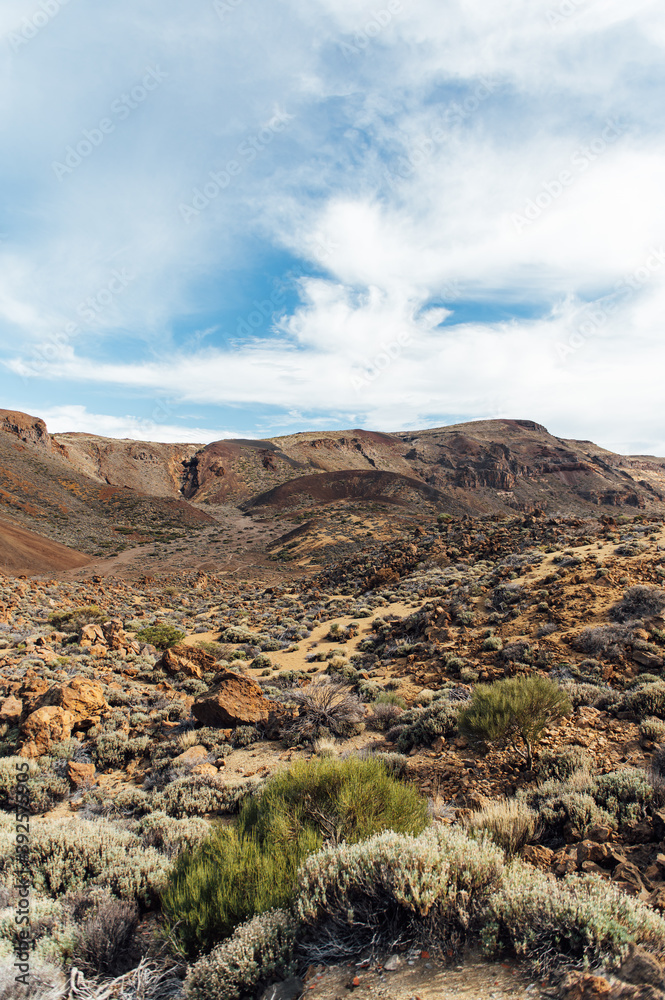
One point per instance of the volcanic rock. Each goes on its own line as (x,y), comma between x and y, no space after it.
(187,660)
(233,701)
(50,724)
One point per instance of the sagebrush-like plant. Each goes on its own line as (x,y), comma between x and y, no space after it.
(511,823)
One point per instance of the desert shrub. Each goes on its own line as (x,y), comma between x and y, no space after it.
(609,641)
(261,662)
(584,694)
(171,836)
(511,823)
(239,872)
(515,710)
(129,802)
(436,884)
(422,725)
(569,803)
(104,936)
(335,799)
(44,786)
(644,701)
(582,921)
(639,603)
(493,643)
(257,951)
(562,764)
(383,716)
(197,794)
(74,619)
(244,736)
(389,698)
(162,636)
(624,794)
(326,707)
(652,729)
(70,855)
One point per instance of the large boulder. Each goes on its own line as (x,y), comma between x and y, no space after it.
(48,725)
(187,660)
(10,710)
(233,701)
(82,698)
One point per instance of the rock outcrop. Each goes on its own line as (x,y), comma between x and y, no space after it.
(233,701)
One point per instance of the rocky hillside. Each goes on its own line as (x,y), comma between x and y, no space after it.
(102,496)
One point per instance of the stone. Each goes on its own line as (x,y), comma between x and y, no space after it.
(657,898)
(641,967)
(290,989)
(599,833)
(234,700)
(80,773)
(10,710)
(649,660)
(83,698)
(187,660)
(539,857)
(47,725)
(392,964)
(634,882)
(195,760)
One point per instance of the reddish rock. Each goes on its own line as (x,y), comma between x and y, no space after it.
(80,774)
(50,724)
(233,701)
(539,857)
(586,987)
(188,660)
(10,710)
(83,698)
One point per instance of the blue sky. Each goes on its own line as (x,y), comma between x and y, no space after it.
(249,217)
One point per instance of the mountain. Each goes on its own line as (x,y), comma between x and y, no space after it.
(102,496)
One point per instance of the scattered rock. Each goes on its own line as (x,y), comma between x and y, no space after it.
(50,724)
(233,701)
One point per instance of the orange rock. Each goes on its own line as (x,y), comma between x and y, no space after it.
(10,710)
(80,773)
(235,700)
(47,725)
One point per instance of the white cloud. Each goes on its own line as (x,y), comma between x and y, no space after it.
(65,419)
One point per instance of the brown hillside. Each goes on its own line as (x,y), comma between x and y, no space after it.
(23,551)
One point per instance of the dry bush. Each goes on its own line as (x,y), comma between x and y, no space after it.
(326,707)
(511,824)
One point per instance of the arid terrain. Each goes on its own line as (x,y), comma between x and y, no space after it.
(172,615)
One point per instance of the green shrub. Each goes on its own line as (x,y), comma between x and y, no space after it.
(435,885)
(563,803)
(172,836)
(583,921)
(45,787)
(257,951)
(648,700)
(492,643)
(511,824)
(162,636)
(237,873)
(515,710)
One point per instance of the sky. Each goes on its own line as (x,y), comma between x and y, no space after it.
(246,218)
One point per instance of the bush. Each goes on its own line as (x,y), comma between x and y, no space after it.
(437,884)
(162,636)
(102,942)
(639,603)
(74,619)
(583,921)
(493,643)
(383,716)
(327,707)
(71,855)
(645,701)
(237,873)
(567,803)
(257,951)
(624,794)
(609,641)
(197,794)
(511,824)
(44,786)
(172,836)
(513,710)
(562,764)
(423,725)
(653,730)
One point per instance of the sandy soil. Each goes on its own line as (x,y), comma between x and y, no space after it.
(24,551)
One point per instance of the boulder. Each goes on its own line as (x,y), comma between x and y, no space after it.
(195,760)
(539,857)
(585,987)
(47,725)
(234,700)
(80,773)
(83,698)
(641,967)
(10,710)
(188,660)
